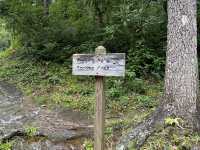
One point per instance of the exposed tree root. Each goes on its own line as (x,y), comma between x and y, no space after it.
(143,130)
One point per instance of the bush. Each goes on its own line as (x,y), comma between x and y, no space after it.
(145,61)
(137,28)
(52,37)
(6,146)
(146,101)
(4,36)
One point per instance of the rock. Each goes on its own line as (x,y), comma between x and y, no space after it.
(195,147)
(54,127)
(43,144)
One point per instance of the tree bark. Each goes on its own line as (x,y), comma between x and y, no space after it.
(181,72)
(99,16)
(180,97)
(46,7)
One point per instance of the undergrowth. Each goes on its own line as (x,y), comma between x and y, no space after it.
(52,84)
(6,145)
(128,100)
(173,136)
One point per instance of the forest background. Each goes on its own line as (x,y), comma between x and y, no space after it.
(39,37)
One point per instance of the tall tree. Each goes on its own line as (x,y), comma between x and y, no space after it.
(181,77)
(181,73)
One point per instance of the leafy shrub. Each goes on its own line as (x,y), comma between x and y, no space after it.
(115,88)
(6,146)
(114,92)
(88,145)
(137,85)
(139,30)
(4,36)
(52,37)
(146,101)
(144,62)
(31,131)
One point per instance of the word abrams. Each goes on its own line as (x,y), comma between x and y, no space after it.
(99,65)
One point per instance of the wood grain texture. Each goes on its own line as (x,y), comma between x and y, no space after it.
(99,64)
(100,112)
(100,108)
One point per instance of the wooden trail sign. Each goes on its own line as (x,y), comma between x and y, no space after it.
(99,64)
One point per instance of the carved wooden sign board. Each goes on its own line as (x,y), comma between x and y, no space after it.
(111,64)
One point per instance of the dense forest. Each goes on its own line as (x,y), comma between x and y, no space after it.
(39,37)
(55,31)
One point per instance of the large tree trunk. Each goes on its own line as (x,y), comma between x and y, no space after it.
(181,77)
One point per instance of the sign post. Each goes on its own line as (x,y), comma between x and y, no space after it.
(100,108)
(99,65)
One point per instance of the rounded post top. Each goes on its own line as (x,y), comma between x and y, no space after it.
(100,50)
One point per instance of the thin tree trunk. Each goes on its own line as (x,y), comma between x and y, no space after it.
(181,73)
(99,16)
(46,7)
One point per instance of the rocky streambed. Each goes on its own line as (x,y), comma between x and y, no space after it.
(39,128)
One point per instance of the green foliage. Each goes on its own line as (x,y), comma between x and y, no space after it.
(132,145)
(88,145)
(145,62)
(4,36)
(114,88)
(137,28)
(172,137)
(109,131)
(31,131)
(136,85)
(51,84)
(173,121)
(49,37)
(146,101)
(123,94)
(6,146)
(48,83)
(5,54)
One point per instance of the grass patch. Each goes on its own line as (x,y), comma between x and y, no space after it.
(30,131)
(6,145)
(48,83)
(52,84)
